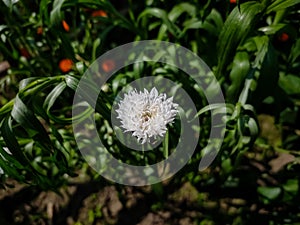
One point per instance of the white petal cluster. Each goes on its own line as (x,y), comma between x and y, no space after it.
(146,114)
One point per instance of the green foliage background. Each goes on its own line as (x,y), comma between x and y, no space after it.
(253,48)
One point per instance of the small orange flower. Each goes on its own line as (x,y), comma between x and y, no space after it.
(99,13)
(65,26)
(39,30)
(232,1)
(65,65)
(24,52)
(108,65)
(283,37)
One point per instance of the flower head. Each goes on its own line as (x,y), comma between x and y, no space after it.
(100,13)
(65,26)
(65,65)
(146,114)
(108,65)
(39,30)
(25,52)
(283,37)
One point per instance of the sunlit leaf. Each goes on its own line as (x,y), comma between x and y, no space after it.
(270,193)
(160,14)
(26,118)
(281,4)
(240,69)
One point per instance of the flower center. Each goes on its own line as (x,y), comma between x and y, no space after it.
(149,112)
(146,116)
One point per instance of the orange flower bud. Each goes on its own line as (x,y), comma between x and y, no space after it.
(39,30)
(99,13)
(65,26)
(232,1)
(108,65)
(283,37)
(24,52)
(65,65)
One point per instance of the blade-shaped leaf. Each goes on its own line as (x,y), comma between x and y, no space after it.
(26,118)
(11,140)
(236,27)
(161,14)
(281,4)
(240,69)
(56,15)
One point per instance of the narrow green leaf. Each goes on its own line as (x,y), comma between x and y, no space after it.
(25,82)
(95,46)
(281,4)
(11,141)
(26,118)
(177,10)
(6,108)
(161,14)
(240,69)
(236,27)
(273,28)
(253,127)
(56,14)
(226,107)
(43,10)
(166,145)
(71,82)
(270,193)
(53,95)
(295,52)
(263,63)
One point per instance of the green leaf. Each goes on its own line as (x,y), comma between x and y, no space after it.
(71,82)
(270,193)
(281,4)
(53,95)
(292,186)
(96,44)
(213,22)
(240,69)
(273,28)
(26,118)
(262,44)
(253,127)
(177,10)
(161,14)
(295,52)
(226,108)
(25,82)
(166,145)
(51,99)
(236,28)
(4,110)
(43,10)
(56,16)
(264,70)
(10,3)
(290,84)
(11,141)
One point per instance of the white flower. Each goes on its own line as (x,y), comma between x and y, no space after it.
(146,114)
